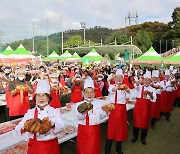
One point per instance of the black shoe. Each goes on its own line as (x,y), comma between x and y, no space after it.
(134,140)
(120,152)
(143,142)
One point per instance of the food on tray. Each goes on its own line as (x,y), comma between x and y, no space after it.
(69,129)
(102,98)
(108,107)
(6,127)
(122,87)
(17,149)
(35,125)
(84,107)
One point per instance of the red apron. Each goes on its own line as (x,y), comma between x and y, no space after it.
(155,107)
(17,107)
(42,147)
(76,95)
(117,122)
(98,92)
(142,112)
(88,138)
(55,102)
(62,81)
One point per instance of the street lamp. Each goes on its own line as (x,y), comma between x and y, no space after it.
(83,26)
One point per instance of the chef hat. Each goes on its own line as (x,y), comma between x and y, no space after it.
(147,75)
(55,75)
(43,87)
(155,73)
(88,83)
(21,70)
(100,76)
(171,68)
(119,72)
(167,72)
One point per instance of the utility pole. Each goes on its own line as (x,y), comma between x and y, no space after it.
(33,37)
(47,36)
(62,45)
(166,45)
(83,26)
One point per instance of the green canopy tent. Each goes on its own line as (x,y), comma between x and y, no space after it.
(92,56)
(22,53)
(65,55)
(53,56)
(150,57)
(8,51)
(174,59)
(74,58)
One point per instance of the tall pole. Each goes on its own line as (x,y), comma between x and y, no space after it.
(84,36)
(33,36)
(166,45)
(62,45)
(83,26)
(47,36)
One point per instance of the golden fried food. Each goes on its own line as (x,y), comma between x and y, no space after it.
(45,126)
(122,87)
(108,107)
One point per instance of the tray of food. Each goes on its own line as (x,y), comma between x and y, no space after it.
(20,148)
(6,127)
(68,130)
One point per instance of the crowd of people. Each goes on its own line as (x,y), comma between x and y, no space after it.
(157,93)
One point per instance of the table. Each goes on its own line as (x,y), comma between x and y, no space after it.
(11,138)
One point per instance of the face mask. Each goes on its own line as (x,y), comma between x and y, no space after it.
(43,104)
(20,78)
(118,82)
(12,79)
(54,80)
(89,99)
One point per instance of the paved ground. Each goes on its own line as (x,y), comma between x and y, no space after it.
(164,139)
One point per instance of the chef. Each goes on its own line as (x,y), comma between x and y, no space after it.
(166,98)
(98,85)
(117,123)
(146,95)
(88,136)
(55,90)
(155,108)
(19,90)
(77,87)
(43,143)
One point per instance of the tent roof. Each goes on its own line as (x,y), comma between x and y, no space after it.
(21,50)
(54,54)
(65,55)
(92,56)
(151,56)
(174,59)
(8,51)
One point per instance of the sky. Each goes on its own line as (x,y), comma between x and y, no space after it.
(17,16)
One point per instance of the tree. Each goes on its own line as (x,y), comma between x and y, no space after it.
(120,38)
(74,41)
(142,40)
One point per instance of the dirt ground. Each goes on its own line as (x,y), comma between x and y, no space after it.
(164,139)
